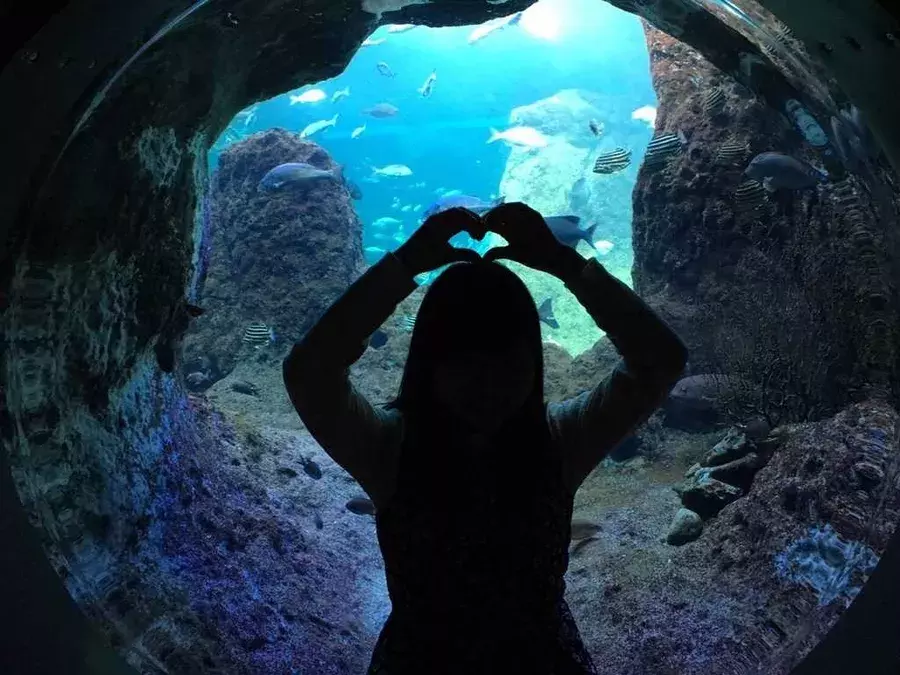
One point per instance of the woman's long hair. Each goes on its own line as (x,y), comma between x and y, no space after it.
(469,308)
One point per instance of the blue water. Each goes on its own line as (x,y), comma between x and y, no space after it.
(442,138)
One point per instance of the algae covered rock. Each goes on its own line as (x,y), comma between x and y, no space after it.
(686,527)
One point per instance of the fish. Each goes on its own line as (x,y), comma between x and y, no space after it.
(523,137)
(244,387)
(406,208)
(357,132)
(400,27)
(612,161)
(387,222)
(381,110)
(339,94)
(663,148)
(492,26)
(596,127)
(316,127)
(372,254)
(749,196)
(311,96)
(310,468)
(384,69)
(731,152)
(378,339)
(355,193)
(407,322)
(361,506)
(545,313)
(393,170)
(426,89)
(714,101)
(417,207)
(388,241)
(578,195)
(778,171)
(646,114)
(582,529)
(452,201)
(783,33)
(259,334)
(568,230)
(372,42)
(295,173)
(247,116)
(603,246)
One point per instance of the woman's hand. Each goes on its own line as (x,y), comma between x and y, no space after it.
(429,247)
(531,241)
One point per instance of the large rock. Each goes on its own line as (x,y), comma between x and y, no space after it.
(309,237)
(686,527)
(705,495)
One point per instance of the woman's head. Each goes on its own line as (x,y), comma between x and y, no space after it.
(476,352)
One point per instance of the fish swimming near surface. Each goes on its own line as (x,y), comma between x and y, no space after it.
(310,468)
(384,69)
(749,196)
(378,339)
(426,89)
(259,334)
(568,230)
(295,173)
(316,127)
(400,27)
(453,201)
(778,171)
(392,170)
(493,26)
(731,152)
(372,42)
(381,110)
(523,137)
(357,132)
(646,114)
(612,161)
(311,96)
(663,148)
(545,313)
(339,94)
(714,101)
(596,127)
(361,506)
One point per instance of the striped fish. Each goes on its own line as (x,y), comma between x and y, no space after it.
(749,196)
(407,322)
(259,334)
(714,101)
(731,152)
(612,161)
(663,148)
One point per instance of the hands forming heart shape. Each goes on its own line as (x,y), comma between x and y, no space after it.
(531,242)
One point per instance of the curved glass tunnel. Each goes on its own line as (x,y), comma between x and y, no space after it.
(177,495)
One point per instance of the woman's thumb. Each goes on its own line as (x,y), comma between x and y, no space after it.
(499,252)
(463,255)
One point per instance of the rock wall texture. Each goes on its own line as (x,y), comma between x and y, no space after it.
(802,297)
(278,258)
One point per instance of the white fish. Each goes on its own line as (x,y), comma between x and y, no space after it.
(316,127)
(393,170)
(603,246)
(372,42)
(357,132)
(247,116)
(426,88)
(373,254)
(311,96)
(406,209)
(340,93)
(646,114)
(386,222)
(524,137)
(400,27)
(417,207)
(486,29)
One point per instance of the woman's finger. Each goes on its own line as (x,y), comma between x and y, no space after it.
(498,253)
(453,221)
(462,255)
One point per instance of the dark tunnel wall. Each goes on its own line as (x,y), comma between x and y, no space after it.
(126,249)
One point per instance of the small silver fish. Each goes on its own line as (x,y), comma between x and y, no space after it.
(384,69)
(663,148)
(426,89)
(316,127)
(714,101)
(613,161)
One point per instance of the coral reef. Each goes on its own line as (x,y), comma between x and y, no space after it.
(307,240)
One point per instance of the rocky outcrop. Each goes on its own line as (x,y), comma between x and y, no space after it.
(307,240)
(734,284)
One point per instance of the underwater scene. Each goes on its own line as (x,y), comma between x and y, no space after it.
(714,167)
